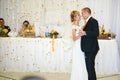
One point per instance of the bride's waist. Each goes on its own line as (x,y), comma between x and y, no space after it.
(78,40)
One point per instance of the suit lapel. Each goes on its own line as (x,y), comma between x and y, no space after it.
(87,24)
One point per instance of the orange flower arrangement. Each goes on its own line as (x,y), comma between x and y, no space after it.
(53,35)
(53,32)
(3,32)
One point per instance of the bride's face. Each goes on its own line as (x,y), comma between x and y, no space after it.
(77,17)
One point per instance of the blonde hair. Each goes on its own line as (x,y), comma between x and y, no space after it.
(73,14)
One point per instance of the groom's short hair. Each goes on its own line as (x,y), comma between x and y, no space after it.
(87,9)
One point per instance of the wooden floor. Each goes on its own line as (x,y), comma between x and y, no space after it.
(52,76)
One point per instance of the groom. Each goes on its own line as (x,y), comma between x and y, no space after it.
(89,42)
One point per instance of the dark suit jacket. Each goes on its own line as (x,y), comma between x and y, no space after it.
(8,28)
(89,42)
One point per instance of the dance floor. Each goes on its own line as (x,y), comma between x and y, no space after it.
(52,76)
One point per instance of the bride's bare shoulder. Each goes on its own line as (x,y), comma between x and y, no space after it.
(73,26)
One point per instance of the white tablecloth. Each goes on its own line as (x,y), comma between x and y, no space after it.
(108,57)
(35,54)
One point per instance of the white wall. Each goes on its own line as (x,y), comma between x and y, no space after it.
(51,11)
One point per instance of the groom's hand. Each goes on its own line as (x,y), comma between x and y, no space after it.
(82,33)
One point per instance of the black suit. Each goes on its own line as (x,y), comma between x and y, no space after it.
(89,45)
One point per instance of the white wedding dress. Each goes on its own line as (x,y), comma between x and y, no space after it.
(79,71)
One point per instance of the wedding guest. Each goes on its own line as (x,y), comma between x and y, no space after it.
(33,78)
(2,25)
(24,26)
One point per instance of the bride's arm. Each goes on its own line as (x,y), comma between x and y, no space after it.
(74,35)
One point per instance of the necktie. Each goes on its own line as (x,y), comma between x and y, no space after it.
(84,24)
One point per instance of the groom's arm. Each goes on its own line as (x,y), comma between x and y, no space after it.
(95,32)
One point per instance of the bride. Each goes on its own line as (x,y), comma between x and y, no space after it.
(79,71)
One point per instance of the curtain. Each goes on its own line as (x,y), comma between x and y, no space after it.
(107,12)
(115,19)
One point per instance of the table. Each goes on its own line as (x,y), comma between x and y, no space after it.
(35,54)
(108,57)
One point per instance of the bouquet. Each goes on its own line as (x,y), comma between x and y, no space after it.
(3,32)
(53,33)
(29,29)
(106,35)
(29,32)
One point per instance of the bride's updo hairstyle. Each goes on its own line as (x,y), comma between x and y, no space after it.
(73,13)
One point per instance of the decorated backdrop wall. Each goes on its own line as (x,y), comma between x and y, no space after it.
(46,12)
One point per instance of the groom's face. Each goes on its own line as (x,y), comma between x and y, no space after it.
(84,14)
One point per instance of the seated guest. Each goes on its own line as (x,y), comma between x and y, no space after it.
(6,29)
(24,26)
(33,78)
